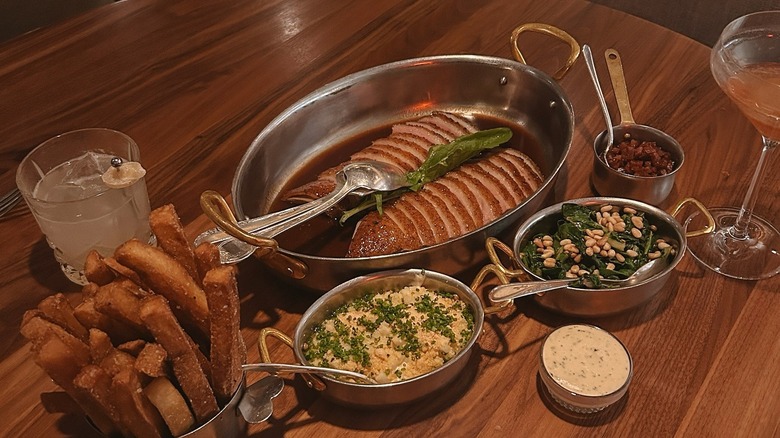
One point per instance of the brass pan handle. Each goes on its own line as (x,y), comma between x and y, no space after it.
(265,355)
(550,30)
(497,268)
(218,210)
(710,227)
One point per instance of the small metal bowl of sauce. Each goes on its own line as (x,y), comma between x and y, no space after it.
(585,368)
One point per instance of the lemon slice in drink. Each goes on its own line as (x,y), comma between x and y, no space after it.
(123,175)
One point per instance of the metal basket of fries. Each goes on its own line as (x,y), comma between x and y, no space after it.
(153,348)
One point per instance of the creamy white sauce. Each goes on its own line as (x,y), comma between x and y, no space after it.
(586,360)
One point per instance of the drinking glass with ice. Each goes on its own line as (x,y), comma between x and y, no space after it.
(62,182)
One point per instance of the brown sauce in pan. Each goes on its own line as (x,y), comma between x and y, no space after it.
(323,236)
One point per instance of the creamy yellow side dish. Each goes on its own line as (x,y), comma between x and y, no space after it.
(392,335)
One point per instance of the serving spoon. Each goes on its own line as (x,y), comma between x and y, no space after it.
(594,76)
(361,178)
(511,291)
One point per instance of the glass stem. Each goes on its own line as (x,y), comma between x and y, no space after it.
(740,228)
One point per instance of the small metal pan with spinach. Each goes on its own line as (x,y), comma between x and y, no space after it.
(588,245)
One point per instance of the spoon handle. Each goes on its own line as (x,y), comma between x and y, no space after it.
(511,291)
(615,67)
(595,78)
(255,225)
(289,368)
(280,227)
(233,250)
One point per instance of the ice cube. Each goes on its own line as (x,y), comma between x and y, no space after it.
(78,178)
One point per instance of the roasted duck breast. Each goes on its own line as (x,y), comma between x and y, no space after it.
(463,200)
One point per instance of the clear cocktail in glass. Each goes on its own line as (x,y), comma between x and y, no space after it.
(746,64)
(61,183)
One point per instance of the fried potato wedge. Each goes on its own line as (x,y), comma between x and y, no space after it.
(96,270)
(100,345)
(89,290)
(168,278)
(228,352)
(166,225)
(136,412)
(94,383)
(152,361)
(133,348)
(90,317)
(206,258)
(123,271)
(171,405)
(57,309)
(37,329)
(158,316)
(118,301)
(63,362)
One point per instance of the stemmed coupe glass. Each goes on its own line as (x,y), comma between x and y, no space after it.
(746,64)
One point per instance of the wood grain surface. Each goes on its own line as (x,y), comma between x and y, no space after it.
(194,82)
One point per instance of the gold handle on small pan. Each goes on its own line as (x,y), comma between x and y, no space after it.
(710,227)
(618,78)
(265,354)
(550,30)
(497,268)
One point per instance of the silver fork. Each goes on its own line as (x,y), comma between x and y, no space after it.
(9,200)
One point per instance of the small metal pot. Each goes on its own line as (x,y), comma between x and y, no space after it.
(650,189)
(387,394)
(598,302)
(611,182)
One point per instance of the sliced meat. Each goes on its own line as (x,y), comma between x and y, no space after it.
(464,199)
(407,147)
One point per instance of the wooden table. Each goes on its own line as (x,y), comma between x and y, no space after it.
(193,83)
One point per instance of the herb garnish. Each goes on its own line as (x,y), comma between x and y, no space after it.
(441,159)
(393,335)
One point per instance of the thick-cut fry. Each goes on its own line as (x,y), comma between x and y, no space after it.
(136,412)
(90,317)
(168,278)
(96,270)
(119,302)
(62,362)
(57,309)
(123,271)
(94,382)
(227,346)
(126,355)
(89,290)
(171,405)
(99,345)
(133,348)
(166,225)
(117,361)
(157,315)
(206,258)
(152,361)
(36,329)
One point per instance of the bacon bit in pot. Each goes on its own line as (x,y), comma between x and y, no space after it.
(640,158)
